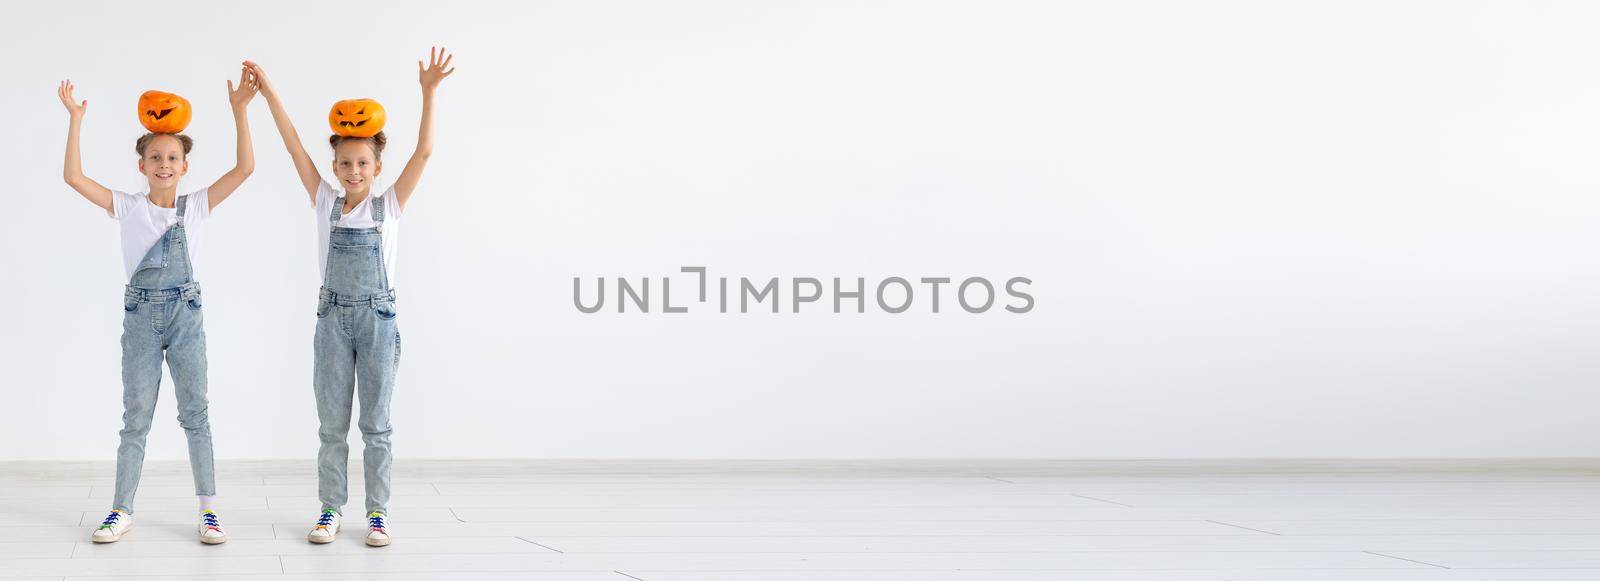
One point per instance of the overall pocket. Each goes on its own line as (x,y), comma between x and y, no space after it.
(384,309)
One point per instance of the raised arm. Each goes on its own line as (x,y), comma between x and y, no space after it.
(291,140)
(245,161)
(72,168)
(438,61)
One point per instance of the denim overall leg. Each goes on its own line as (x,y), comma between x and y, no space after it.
(162,319)
(357,349)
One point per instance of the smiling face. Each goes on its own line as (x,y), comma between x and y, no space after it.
(356,118)
(163,161)
(355,162)
(163,112)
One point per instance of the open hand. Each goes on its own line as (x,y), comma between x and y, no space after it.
(430,76)
(75,108)
(239,96)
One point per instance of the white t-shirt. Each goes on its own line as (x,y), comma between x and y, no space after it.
(143,223)
(359,217)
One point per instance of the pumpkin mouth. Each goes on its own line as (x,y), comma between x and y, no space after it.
(352,124)
(162,114)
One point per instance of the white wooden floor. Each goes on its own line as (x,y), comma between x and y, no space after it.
(838,521)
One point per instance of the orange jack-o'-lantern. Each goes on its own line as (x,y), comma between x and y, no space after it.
(356,118)
(163,112)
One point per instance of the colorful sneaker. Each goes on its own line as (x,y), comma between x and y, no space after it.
(210,530)
(111,530)
(327,527)
(378,531)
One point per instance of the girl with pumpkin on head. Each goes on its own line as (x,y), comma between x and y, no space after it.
(160,231)
(357,343)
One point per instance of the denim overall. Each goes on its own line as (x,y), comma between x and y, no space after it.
(357,349)
(162,317)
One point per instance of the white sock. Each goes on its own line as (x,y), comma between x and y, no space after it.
(208,503)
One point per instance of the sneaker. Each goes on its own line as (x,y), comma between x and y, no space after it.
(327,527)
(378,531)
(111,530)
(211,530)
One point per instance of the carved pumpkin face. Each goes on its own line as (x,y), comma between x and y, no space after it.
(356,118)
(163,112)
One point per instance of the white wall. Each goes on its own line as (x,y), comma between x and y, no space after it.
(1255,229)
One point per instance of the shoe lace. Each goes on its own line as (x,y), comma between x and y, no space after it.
(111,520)
(210,519)
(375,520)
(326,518)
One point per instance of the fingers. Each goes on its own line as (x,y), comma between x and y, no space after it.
(255,69)
(247,79)
(439,59)
(258,77)
(64,92)
(230,87)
